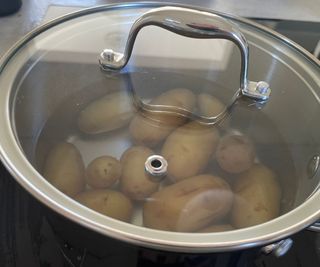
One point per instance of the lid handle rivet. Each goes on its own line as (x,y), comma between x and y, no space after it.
(107,55)
(262,87)
(259,91)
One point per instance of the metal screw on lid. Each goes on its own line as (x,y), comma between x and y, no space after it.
(259,91)
(262,87)
(110,60)
(107,55)
(156,166)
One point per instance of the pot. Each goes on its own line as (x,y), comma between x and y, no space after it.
(97,84)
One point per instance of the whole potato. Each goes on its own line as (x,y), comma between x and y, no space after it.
(108,113)
(107,202)
(188,205)
(210,106)
(188,149)
(257,197)
(216,228)
(134,181)
(153,128)
(235,153)
(64,169)
(103,172)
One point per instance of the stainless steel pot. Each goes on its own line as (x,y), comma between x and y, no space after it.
(54,71)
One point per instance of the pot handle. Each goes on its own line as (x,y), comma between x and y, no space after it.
(194,24)
(315,227)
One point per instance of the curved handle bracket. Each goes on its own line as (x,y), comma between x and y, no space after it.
(193,24)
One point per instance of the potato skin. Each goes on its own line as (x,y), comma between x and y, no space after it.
(188,205)
(235,153)
(108,113)
(257,197)
(64,169)
(134,181)
(216,228)
(154,128)
(103,172)
(188,149)
(107,202)
(209,105)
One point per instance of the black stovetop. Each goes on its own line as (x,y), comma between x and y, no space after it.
(32,235)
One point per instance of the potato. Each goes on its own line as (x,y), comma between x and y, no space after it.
(209,105)
(153,128)
(107,202)
(188,205)
(188,149)
(134,181)
(108,113)
(103,172)
(64,169)
(257,197)
(235,153)
(216,228)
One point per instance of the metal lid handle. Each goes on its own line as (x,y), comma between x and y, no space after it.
(189,23)
(194,24)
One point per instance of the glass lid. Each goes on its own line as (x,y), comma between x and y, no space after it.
(158,117)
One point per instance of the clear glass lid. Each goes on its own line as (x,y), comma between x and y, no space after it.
(158,118)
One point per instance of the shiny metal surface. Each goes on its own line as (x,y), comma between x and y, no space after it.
(315,227)
(189,23)
(259,91)
(268,248)
(278,249)
(156,166)
(283,247)
(193,24)
(19,166)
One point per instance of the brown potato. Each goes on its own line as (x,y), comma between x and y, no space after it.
(235,153)
(107,202)
(257,197)
(188,149)
(134,181)
(64,169)
(103,172)
(108,113)
(188,205)
(216,228)
(154,128)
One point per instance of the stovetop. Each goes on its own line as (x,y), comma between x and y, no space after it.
(32,235)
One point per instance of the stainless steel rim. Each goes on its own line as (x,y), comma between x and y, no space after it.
(15,161)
